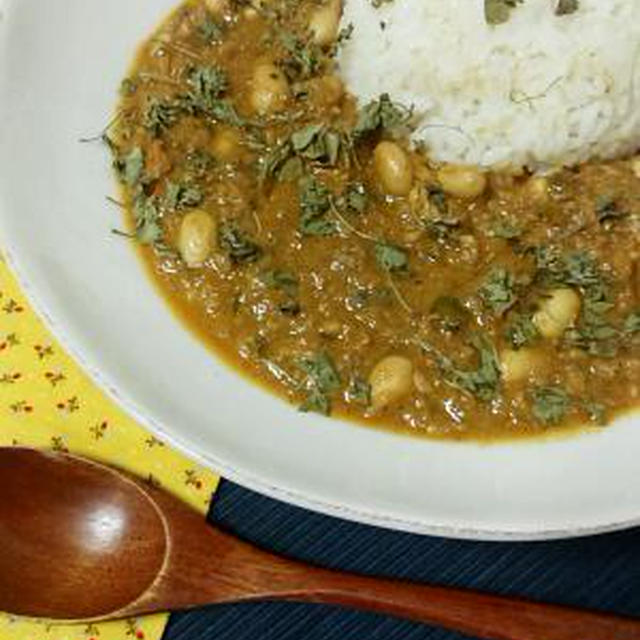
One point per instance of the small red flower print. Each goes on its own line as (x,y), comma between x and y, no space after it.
(58,444)
(192,479)
(55,378)
(11,340)
(10,378)
(99,430)
(12,307)
(152,442)
(22,406)
(43,351)
(70,406)
(133,629)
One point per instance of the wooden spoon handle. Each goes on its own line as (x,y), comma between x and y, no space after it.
(486,616)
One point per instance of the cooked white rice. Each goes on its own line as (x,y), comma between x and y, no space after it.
(539,90)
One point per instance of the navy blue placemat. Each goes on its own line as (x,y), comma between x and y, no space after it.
(600,572)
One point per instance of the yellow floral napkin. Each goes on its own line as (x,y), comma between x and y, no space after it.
(47,401)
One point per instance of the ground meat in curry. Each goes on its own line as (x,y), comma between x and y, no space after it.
(307,242)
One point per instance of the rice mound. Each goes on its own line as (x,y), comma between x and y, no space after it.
(540,90)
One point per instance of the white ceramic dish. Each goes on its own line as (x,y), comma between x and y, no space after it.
(60,63)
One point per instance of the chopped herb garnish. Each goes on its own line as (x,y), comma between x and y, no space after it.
(315,205)
(593,332)
(282,280)
(288,284)
(354,199)
(521,330)
(483,382)
(130,167)
(550,405)
(632,323)
(160,115)
(317,142)
(359,391)
(304,57)
(180,196)
(146,215)
(608,210)
(567,7)
(208,86)
(499,11)
(323,379)
(505,228)
(237,244)
(391,258)
(210,29)
(498,291)
(381,114)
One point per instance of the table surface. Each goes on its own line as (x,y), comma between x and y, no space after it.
(601,572)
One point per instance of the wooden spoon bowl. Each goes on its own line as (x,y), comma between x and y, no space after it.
(83,541)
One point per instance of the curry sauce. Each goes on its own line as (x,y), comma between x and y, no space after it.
(310,244)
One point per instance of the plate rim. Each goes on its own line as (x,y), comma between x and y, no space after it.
(254,482)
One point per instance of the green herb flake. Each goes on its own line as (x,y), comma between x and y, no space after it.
(632,323)
(240,248)
(608,210)
(521,330)
(315,205)
(131,167)
(593,332)
(303,59)
(354,199)
(391,258)
(281,280)
(317,142)
(567,7)
(381,114)
(323,380)
(359,391)
(208,85)
(210,29)
(499,11)
(505,228)
(182,196)
(550,405)
(146,216)
(498,291)
(482,382)
(316,402)
(160,115)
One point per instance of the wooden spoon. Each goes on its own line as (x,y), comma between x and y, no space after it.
(82,541)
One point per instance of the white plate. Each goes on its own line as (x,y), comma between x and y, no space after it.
(60,64)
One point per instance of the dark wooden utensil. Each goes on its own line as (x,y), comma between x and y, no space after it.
(83,541)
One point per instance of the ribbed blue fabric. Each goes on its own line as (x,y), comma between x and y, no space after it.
(597,572)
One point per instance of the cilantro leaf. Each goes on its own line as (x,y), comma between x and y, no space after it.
(550,405)
(381,114)
(391,258)
(482,382)
(498,291)
(237,244)
(315,205)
